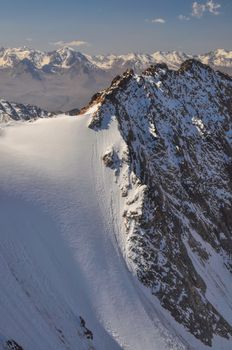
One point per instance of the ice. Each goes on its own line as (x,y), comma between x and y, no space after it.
(59,252)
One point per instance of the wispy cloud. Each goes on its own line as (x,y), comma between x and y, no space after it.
(199,9)
(183,18)
(213,7)
(29,40)
(73,43)
(156,20)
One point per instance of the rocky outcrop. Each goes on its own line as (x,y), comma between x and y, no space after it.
(10,111)
(73,112)
(178,129)
(12,345)
(86,332)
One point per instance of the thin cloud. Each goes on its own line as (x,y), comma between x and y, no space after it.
(158,20)
(29,40)
(198,9)
(183,18)
(213,7)
(73,43)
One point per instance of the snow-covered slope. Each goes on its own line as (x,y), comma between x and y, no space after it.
(60,223)
(217,58)
(115,226)
(62,58)
(10,111)
(64,79)
(11,56)
(138,62)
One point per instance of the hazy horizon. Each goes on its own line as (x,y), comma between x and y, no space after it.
(83,51)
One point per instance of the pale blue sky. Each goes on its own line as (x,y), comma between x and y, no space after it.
(117,26)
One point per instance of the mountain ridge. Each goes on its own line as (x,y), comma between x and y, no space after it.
(11,111)
(177,126)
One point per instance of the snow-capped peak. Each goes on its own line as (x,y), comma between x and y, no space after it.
(66,56)
(11,56)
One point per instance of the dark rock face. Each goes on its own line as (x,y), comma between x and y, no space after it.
(73,112)
(12,345)
(86,332)
(16,111)
(26,66)
(178,129)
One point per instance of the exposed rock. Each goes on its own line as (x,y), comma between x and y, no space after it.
(10,111)
(178,129)
(86,332)
(12,345)
(110,159)
(73,112)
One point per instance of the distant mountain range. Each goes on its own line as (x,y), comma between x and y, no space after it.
(65,79)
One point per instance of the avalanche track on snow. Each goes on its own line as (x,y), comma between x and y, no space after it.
(64,283)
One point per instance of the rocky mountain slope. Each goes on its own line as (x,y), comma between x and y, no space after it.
(63,281)
(176,175)
(115,228)
(65,79)
(10,111)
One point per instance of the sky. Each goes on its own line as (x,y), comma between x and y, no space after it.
(117,26)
